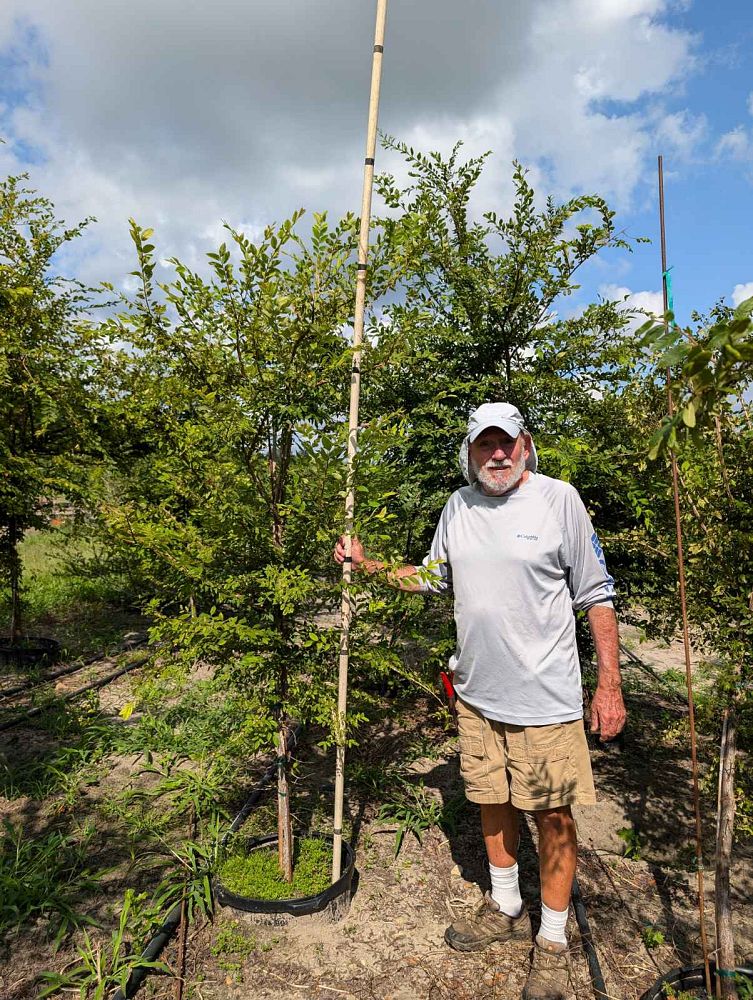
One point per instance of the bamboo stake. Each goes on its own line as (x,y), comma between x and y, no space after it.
(725,941)
(355,393)
(684,610)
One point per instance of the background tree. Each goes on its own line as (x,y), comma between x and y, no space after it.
(47,361)
(711,432)
(477,318)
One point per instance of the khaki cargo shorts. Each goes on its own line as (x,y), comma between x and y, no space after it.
(534,767)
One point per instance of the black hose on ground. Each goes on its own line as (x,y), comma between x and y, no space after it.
(638,662)
(171,923)
(597,979)
(72,695)
(71,668)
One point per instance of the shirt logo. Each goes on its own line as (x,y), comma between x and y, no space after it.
(528,538)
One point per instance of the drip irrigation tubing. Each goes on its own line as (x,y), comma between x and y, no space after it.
(638,662)
(71,668)
(101,682)
(153,950)
(594,968)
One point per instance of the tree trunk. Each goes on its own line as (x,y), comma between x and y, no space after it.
(725,955)
(14,560)
(278,480)
(284,829)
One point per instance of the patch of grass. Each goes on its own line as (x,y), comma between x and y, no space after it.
(86,738)
(46,877)
(66,585)
(103,965)
(415,809)
(193,719)
(262,820)
(256,874)
(232,946)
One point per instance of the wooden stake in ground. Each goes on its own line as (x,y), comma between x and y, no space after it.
(725,941)
(355,392)
(684,611)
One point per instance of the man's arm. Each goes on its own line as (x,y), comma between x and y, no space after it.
(400,577)
(607,707)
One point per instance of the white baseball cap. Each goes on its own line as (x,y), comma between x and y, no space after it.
(505,416)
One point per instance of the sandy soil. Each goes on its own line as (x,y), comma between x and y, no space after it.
(390,944)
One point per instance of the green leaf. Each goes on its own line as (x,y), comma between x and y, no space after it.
(688,414)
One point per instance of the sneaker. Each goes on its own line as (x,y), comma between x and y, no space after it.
(488,924)
(550,971)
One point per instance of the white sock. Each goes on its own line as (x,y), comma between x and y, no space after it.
(505,890)
(553,924)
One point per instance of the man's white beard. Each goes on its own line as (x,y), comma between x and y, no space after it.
(494,484)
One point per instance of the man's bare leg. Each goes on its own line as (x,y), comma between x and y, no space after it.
(492,922)
(549,976)
(558,852)
(500,825)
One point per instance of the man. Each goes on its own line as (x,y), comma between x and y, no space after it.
(520,554)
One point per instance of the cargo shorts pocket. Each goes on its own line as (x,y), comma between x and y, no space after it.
(541,768)
(473,760)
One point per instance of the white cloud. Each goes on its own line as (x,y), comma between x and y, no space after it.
(183,115)
(736,144)
(742,292)
(679,134)
(647,303)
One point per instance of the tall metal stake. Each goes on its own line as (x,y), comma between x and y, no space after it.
(355,392)
(684,609)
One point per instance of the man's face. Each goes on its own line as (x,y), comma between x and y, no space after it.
(499,461)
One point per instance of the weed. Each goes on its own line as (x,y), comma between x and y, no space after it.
(188,789)
(196,860)
(102,967)
(424,747)
(207,719)
(415,811)
(232,947)
(45,877)
(744,987)
(270,945)
(674,732)
(652,937)
(88,738)
(139,823)
(257,875)
(633,846)
(451,814)
(376,780)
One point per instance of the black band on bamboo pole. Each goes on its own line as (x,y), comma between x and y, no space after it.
(684,610)
(355,392)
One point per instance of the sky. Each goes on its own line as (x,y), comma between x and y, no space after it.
(184,114)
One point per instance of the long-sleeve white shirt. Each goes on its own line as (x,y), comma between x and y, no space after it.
(518,566)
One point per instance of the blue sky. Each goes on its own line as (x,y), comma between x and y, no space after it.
(709,197)
(187,115)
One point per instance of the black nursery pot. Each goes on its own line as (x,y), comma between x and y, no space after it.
(327,906)
(29,651)
(689,977)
